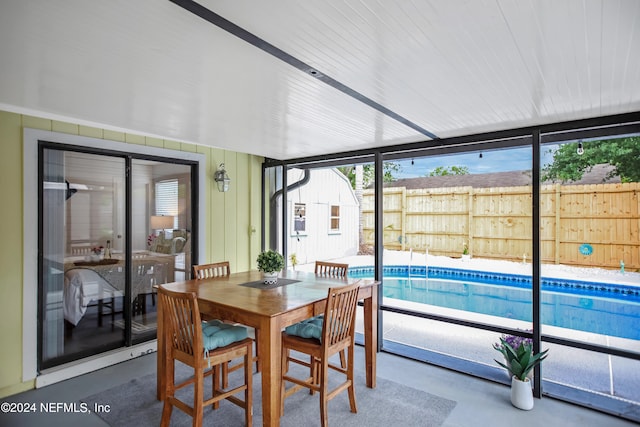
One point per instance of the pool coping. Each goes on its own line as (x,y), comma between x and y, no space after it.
(617,291)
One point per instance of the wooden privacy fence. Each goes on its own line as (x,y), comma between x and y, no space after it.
(497,222)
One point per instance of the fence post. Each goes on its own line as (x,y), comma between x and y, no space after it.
(556,238)
(470,222)
(403,218)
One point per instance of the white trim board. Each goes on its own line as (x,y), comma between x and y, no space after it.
(93,363)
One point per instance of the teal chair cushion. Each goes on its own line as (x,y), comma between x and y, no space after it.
(309,328)
(219,334)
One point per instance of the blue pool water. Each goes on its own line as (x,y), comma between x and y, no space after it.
(601,308)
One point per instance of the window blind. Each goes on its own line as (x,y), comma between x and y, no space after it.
(167,199)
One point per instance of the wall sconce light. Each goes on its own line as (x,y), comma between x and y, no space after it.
(222,179)
(580,149)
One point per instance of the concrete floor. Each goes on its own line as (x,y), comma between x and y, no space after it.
(479,402)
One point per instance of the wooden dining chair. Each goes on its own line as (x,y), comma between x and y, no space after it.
(184,335)
(142,283)
(331,269)
(212,271)
(336,334)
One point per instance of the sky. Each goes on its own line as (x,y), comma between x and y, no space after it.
(492,161)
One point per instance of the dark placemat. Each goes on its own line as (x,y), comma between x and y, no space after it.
(259,284)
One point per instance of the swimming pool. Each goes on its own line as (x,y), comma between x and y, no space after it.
(601,308)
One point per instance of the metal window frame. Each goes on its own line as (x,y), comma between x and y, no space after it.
(534,136)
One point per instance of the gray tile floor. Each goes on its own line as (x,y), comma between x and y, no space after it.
(479,402)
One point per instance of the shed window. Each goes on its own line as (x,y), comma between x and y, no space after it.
(299,218)
(334,220)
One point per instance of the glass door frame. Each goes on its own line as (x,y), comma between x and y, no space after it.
(32,138)
(128,159)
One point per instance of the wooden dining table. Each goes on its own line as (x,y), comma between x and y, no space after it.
(241,298)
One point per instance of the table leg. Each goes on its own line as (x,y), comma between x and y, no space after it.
(270,346)
(371,336)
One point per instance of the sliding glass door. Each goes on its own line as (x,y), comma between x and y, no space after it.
(112,227)
(82,287)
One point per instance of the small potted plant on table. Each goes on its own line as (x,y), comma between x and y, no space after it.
(270,263)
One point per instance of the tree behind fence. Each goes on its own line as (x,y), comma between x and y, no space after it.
(496,222)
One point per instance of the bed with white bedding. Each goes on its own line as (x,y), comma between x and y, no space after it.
(83,287)
(88,283)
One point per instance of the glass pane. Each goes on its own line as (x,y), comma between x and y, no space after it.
(590,242)
(161,237)
(418,337)
(83,285)
(589,246)
(458,242)
(596,373)
(299,218)
(325,216)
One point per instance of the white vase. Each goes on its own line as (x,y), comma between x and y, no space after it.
(270,278)
(521,394)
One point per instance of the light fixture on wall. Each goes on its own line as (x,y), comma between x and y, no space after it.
(580,149)
(222,179)
(161,222)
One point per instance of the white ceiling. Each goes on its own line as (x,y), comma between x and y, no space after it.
(438,68)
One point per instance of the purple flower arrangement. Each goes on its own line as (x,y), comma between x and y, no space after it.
(518,355)
(516,341)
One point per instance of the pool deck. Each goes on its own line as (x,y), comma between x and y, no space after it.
(600,373)
(496,266)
